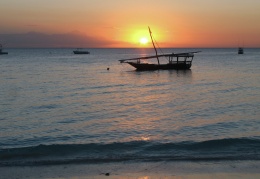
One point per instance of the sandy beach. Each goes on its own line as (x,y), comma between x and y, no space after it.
(151,170)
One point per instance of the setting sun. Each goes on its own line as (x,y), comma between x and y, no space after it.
(143,40)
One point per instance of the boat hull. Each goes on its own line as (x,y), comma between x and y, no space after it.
(174,66)
(80,52)
(240,51)
(3,53)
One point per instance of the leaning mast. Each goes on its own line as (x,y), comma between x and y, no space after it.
(154,45)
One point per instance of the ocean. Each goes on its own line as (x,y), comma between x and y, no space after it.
(60,108)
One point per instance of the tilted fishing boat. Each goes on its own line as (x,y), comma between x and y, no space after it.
(177,61)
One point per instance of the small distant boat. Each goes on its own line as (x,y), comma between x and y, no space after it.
(1,50)
(177,61)
(240,50)
(80,51)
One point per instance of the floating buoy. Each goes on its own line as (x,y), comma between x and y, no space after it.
(107,68)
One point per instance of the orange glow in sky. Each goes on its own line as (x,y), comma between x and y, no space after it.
(117,23)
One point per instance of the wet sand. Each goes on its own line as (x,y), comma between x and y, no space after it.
(142,170)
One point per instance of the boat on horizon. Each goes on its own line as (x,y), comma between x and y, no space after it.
(176,61)
(80,51)
(240,50)
(1,50)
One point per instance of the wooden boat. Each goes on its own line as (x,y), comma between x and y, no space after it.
(240,50)
(80,52)
(176,61)
(1,50)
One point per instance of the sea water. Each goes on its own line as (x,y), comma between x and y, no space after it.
(58,108)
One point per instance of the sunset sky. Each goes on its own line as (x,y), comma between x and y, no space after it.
(123,23)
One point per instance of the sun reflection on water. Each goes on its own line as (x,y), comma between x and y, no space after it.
(145,138)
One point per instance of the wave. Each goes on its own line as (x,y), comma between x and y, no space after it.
(223,149)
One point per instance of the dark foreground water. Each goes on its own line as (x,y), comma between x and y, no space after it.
(59,108)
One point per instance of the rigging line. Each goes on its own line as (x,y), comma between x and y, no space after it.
(160,48)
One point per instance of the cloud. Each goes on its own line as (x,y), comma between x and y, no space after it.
(40,40)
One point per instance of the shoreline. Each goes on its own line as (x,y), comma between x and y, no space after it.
(141,170)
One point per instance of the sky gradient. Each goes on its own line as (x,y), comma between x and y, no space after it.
(122,23)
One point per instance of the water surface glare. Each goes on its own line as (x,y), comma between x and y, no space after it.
(51,97)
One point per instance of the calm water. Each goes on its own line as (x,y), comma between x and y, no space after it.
(56,107)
